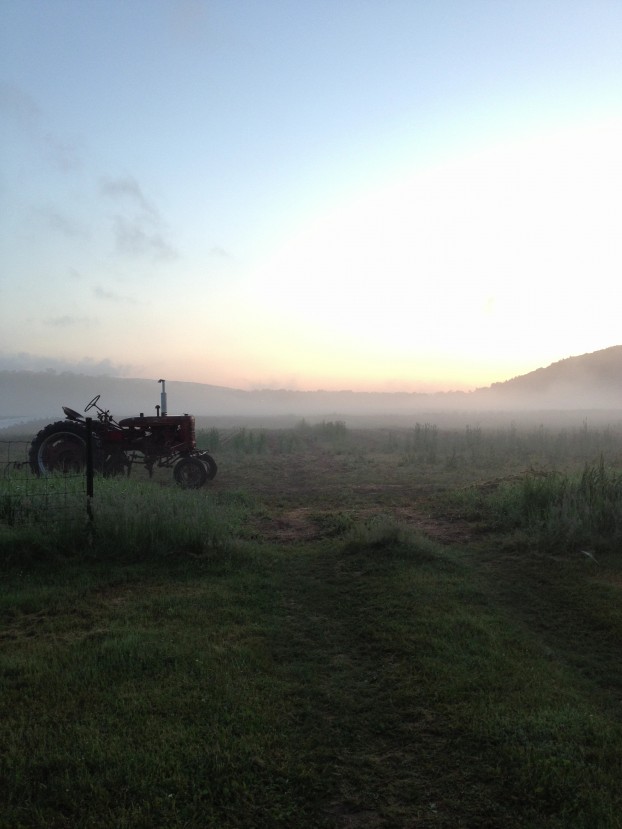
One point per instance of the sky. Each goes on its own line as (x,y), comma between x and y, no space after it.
(376,195)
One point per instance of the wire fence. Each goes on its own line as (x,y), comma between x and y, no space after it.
(43,500)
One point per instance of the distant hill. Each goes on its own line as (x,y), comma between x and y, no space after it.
(587,382)
(590,381)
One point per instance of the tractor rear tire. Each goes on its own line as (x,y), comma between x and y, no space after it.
(190,473)
(59,447)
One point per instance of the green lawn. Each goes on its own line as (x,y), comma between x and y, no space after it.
(329,643)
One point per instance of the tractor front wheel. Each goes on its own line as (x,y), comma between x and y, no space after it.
(210,465)
(190,473)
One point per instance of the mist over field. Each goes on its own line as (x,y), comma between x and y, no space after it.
(586,383)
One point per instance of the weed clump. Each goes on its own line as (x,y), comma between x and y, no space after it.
(385,535)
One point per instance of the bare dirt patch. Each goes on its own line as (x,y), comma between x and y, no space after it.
(289,526)
(303,524)
(446,529)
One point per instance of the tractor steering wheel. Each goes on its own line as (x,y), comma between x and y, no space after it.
(92,403)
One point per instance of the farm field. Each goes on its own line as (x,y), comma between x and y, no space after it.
(405,627)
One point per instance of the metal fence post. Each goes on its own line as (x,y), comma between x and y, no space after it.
(89,457)
(89,466)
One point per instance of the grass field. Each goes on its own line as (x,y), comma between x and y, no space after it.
(376,628)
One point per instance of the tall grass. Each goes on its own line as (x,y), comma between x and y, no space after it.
(559,510)
(126,518)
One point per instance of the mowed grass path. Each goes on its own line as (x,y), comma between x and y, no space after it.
(377,680)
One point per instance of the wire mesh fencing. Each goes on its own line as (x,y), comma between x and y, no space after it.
(27,498)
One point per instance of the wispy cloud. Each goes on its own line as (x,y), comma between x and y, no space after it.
(20,108)
(141,232)
(19,105)
(220,252)
(62,154)
(61,223)
(112,296)
(135,237)
(24,361)
(128,189)
(69,321)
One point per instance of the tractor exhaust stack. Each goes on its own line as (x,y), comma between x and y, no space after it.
(163,398)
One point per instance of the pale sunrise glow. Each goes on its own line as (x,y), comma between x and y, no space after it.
(396,197)
(498,249)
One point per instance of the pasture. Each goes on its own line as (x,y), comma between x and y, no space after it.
(416,626)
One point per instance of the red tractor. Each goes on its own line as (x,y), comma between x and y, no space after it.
(162,441)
